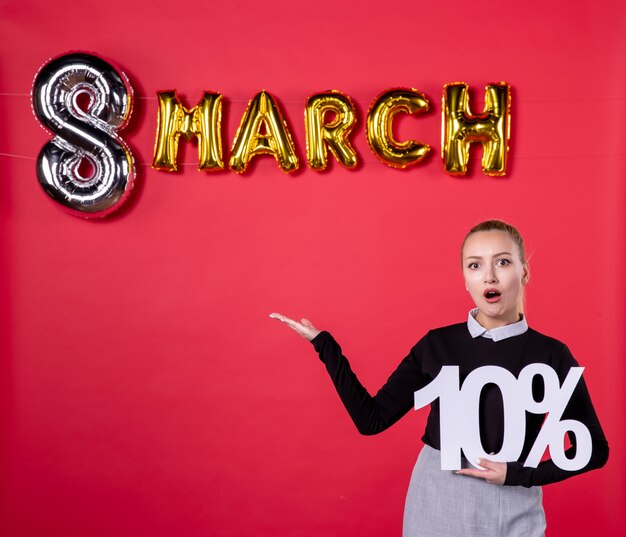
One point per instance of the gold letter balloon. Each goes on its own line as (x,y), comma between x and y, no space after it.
(322,134)
(263,131)
(203,121)
(380,127)
(84,132)
(491,128)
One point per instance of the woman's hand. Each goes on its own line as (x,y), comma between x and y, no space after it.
(494,473)
(305,327)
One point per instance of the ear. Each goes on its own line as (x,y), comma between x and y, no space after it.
(525,274)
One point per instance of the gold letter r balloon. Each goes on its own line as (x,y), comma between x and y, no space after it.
(333,134)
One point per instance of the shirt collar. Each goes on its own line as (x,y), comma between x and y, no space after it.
(497,334)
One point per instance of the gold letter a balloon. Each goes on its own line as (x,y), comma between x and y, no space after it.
(263,132)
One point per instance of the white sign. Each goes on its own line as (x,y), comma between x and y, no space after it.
(459,420)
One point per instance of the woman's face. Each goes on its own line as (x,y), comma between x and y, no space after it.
(494,276)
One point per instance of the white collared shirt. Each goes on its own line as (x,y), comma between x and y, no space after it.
(500,332)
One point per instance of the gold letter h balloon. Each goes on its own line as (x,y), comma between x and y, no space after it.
(461,128)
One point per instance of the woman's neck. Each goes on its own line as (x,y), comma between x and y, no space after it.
(496,322)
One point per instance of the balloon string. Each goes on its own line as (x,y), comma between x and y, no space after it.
(300,102)
(25,157)
(17,156)
(368,161)
(145,98)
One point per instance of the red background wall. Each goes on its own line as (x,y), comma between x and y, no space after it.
(144,391)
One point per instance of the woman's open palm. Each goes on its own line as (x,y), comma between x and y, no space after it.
(305,327)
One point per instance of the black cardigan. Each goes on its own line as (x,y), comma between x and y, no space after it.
(453,345)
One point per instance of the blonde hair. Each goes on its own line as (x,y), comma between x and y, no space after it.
(499,225)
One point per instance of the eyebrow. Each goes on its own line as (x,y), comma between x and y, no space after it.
(494,255)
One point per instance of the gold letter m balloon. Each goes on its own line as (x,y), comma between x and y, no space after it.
(491,128)
(202,121)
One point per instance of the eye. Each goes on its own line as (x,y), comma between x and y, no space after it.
(503,262)
(473,265)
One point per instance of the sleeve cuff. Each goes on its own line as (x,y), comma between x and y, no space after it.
(517,474)
(320,340)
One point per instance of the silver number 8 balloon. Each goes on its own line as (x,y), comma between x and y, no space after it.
(84,101)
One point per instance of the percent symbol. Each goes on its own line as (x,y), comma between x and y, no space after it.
(554,429)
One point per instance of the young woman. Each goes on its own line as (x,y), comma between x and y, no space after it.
(502,498)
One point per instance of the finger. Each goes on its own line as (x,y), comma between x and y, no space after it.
(473,473)
(284,319)
(307,332)
(489,465)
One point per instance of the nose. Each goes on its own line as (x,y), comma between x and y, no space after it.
(490,275)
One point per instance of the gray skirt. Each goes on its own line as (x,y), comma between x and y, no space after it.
(441,503)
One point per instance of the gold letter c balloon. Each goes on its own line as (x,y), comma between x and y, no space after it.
(380,127)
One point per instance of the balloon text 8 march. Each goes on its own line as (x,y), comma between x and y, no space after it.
(93,134)
(459,409)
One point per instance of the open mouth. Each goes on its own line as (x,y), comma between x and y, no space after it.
(491,294)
